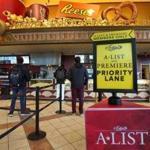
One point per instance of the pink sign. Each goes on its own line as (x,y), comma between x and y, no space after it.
(125,127)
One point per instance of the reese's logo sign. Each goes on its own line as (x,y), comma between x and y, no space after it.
(77,10)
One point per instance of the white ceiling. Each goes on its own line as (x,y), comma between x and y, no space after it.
(66,49)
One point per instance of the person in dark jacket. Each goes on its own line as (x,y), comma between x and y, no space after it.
(78,77)
(60,75)
(20,89)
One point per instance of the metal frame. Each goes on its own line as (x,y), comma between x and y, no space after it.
(132,41)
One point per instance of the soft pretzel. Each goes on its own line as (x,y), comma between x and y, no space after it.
(105,13)
(133,8)
(119,13)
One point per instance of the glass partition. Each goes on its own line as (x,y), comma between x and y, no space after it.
(12,59)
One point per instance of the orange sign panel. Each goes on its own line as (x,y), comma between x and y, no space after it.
(77,10)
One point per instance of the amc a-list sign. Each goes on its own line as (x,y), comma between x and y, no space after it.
(123,127)
(115,67)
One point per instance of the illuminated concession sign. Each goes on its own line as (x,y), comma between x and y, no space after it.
(115,62)
(77,10)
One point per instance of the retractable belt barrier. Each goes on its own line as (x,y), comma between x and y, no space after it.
(60,111)
(28,89)
(37,134)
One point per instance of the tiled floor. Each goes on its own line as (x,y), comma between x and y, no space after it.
(63,131)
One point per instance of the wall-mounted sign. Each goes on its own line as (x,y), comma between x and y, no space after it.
(115,64)
(14,6)
(77,10)
(113,35)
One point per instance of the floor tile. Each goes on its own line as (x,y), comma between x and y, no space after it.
(58,142)
(18,144)
(80,145)
(63,131)
(66,147)
(72,137)
(4,146)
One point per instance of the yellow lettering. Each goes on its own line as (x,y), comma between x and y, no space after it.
(68,9)
(65,9)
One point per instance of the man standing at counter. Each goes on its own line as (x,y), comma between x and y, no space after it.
(18,77)
(60,75)
(78,77)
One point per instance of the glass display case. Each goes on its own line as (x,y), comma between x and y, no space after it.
(143,85)
(4,83)
(12,59)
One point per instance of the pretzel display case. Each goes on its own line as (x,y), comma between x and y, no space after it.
(4,78)
(4,84)
(89,94)
(142,94)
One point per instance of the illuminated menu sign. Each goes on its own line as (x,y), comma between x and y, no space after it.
(77,10)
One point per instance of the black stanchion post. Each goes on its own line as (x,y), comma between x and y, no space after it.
(27,109)
(37,112)
(37,134)
(99,96)
(114,99)
(60,101)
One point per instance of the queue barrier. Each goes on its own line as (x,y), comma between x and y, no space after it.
(37,134)
(60,111)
